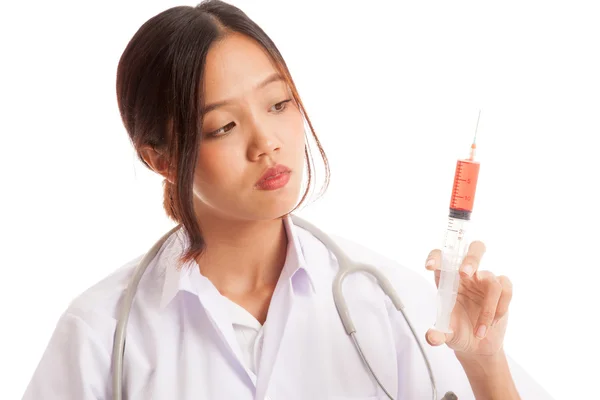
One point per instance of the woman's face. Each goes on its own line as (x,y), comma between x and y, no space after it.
(251,123)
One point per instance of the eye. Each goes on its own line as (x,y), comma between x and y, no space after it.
(222,131)
(279,107)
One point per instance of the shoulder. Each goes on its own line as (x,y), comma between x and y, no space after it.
(91,316)
(397,271)
(417,293)
(102,298)
(80,347)
(76,360)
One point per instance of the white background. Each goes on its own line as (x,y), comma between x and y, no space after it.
(393,90)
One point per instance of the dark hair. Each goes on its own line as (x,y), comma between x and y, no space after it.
(159,94)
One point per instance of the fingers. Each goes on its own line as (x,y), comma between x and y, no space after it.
(472,260)
(470,263)
(505,298)
(434,263)
(437,338)
(469,266)
(434,260)
(493,292)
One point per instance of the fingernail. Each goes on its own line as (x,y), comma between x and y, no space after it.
(430,263)
(468,269)
(481,332)
(495,322)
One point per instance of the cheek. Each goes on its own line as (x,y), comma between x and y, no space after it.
(218,167)
(297,133)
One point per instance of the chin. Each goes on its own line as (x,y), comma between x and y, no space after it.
(275,204)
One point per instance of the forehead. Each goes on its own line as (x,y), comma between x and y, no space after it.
(234,66)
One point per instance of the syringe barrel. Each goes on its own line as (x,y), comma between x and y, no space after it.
(464,188)
(455,241)
(453,252)
(446,299)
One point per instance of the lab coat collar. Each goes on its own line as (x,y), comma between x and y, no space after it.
(177,277)
(187,277)
(298,270)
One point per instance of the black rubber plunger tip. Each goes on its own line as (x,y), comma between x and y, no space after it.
(460,214)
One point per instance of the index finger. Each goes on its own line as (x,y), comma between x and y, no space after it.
(471,261)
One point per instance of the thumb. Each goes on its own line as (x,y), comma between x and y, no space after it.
(437,338)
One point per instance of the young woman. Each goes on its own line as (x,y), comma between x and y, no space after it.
(237,304)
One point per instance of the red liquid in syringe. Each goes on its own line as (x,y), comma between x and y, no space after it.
(464,187)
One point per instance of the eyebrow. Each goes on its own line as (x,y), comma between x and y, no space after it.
(275,77)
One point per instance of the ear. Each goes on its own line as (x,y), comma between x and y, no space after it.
(157,160)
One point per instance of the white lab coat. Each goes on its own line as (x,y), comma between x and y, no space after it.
(181,344)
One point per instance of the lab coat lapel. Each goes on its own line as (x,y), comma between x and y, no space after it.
(217,313)
(274,330)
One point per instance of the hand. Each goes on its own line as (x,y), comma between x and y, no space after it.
(478,321)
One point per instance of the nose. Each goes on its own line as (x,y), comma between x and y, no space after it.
(264,142)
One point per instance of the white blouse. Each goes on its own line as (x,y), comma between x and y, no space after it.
(249,334)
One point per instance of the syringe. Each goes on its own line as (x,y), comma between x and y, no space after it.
(455,241)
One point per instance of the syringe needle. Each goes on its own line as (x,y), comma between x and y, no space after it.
(476,126)
(474,145)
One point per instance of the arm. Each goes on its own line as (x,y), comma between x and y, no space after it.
(489,376)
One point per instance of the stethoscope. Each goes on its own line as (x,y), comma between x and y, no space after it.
(346,267)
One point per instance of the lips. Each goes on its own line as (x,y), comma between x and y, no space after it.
(273,172)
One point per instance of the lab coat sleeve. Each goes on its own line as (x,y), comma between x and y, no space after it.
(74,365)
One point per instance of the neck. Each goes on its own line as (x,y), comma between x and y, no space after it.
(242,257)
